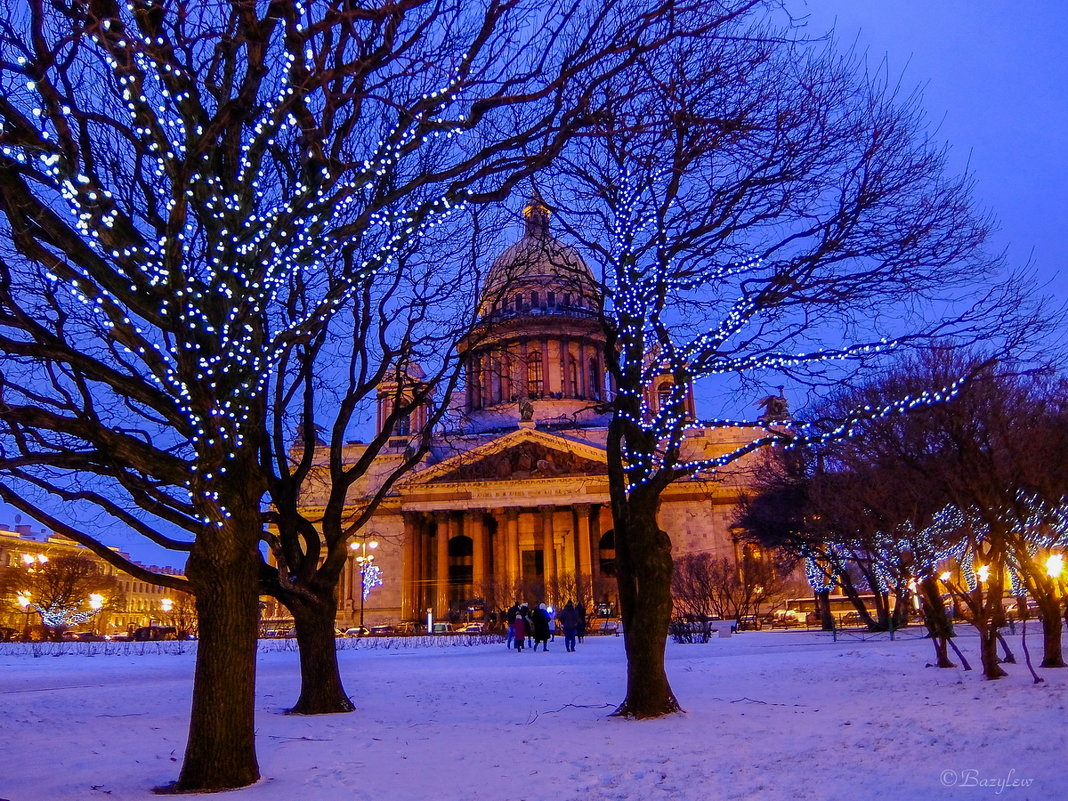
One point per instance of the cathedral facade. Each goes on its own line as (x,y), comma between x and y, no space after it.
(512,503)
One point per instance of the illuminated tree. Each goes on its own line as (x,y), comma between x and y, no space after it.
(190,195)
(967,489)
(64,590)
(762,210)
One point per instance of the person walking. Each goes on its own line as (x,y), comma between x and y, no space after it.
(519,628)
(528,623)
(510,617)
(541,627)
(580,610)
(569,621)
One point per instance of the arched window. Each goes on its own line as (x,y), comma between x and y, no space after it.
(461,546)
(404,426)
(572,376)
(663,395)
(595,379)
(535,384)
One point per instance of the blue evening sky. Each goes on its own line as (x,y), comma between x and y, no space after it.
(995,85)
(994,78)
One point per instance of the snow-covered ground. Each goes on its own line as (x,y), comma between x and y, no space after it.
(770,716)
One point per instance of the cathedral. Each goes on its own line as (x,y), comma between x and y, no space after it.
(512,502)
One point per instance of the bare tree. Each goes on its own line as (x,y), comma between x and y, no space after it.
(763,208)
(704,586)
(191,194)
(971,481)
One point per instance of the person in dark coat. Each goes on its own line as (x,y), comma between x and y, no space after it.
(569,621)
(519,628)
(528,620)
(580,610)
(541,627)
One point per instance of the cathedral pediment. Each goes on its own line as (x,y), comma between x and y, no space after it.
(525,455)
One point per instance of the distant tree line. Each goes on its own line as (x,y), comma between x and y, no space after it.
(958,505)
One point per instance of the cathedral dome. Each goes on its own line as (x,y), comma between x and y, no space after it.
(538,274)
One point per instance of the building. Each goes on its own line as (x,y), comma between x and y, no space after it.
(512,502)
(136,604)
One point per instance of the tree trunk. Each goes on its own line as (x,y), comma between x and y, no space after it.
(321,689)
(1052,655)
(988,643)
(936,621)
(823,606)
(643,571)
(223,571)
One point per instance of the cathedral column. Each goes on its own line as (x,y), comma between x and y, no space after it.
(441,579)
(547,372)
(522,380)
(548,550)
(595,547)
(499,567)
(408,585)
(583,371)
(583,547)
(478,553)
(506,377)
(561,366)
(512,548)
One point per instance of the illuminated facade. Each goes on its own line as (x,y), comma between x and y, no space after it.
(138,603)
(512,503)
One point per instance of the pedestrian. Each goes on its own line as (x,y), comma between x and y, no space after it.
(580,610)
(541,627)
(520,629)
(528,623)
(569,620)
(510,616)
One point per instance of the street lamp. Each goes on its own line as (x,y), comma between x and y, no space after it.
(23,599)
(364,560)
(96,603)
(1054,565)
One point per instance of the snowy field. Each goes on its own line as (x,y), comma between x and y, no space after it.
(771,716)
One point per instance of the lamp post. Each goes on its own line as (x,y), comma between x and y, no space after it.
(23,599)
(364,560)
(96,603)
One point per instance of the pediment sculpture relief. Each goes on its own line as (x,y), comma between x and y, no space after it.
(529,460)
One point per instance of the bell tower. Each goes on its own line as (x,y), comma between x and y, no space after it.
(396,402)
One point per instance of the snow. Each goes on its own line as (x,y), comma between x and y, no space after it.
(770,716)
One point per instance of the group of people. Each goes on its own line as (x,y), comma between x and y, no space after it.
(537,626)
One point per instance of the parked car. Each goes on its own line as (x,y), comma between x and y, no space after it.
(382,631)
(851,619)
(155,633)
(357,631)
(470,628)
